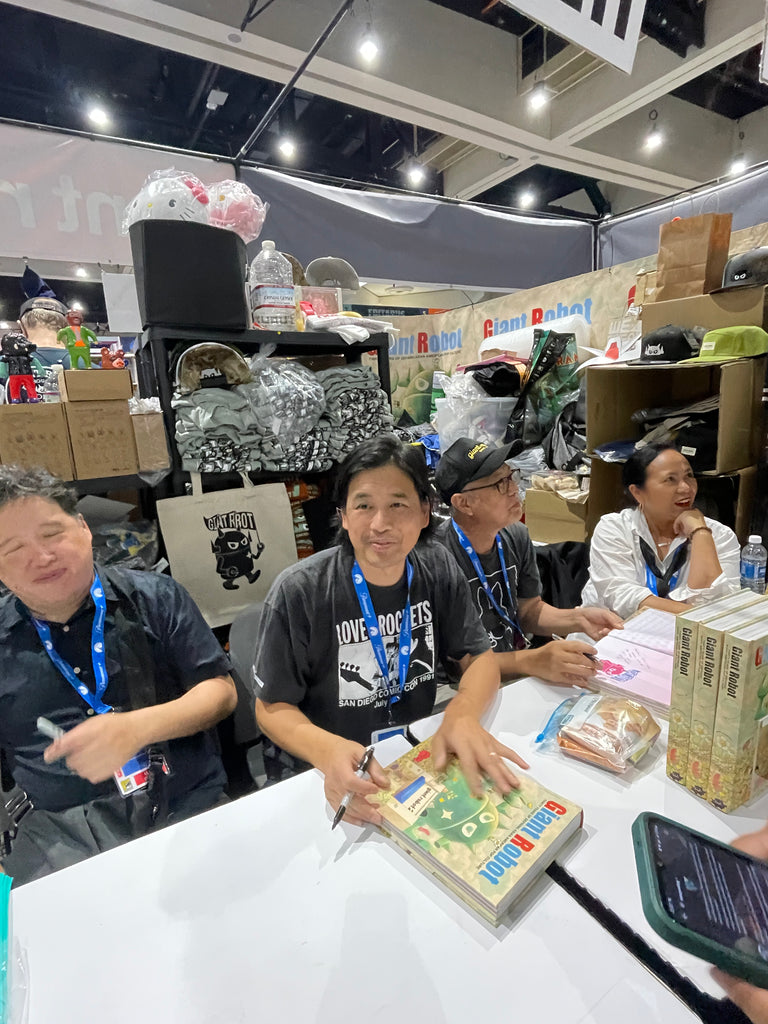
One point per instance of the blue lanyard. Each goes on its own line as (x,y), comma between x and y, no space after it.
(98,656)
(475,560)
(650,581)
(374,634)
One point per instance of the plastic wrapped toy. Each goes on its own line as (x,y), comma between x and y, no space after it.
(287,399)
(169,195)
(234,206)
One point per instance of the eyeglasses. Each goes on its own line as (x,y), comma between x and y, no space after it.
(502,486)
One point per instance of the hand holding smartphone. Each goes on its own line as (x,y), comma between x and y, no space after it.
(704,896)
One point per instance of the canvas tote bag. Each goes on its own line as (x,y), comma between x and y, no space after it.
(226,547)
(693,252)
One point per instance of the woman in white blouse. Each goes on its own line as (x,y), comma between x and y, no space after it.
(662,553)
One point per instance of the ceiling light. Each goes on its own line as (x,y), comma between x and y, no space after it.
(98,116)
(526,199)
(216,98)
(653,139)
(287,148)
(416,174)
(368,48)
(77,304)
(81,272)
(738,165)
(539,96)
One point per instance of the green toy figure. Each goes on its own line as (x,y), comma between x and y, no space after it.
(78,340)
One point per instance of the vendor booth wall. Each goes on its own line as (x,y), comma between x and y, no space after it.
(416,238)
(444,341)
(62,196)
(636,235)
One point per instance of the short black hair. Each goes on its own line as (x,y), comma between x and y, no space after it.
(18,482)
(634,472)
(383,450)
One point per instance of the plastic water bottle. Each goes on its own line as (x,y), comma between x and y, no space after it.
(273,304)
(753,560)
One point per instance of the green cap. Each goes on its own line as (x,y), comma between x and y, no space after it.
(731,343)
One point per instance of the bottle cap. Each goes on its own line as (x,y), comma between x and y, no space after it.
(755,538)
(267,244)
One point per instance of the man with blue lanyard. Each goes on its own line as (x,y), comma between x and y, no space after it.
(496,555)
(119,665)
(350,639)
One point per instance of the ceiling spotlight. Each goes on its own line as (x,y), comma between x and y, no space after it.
(738,165)
(81,272)
(287,148)
(416,174)
(539,96)
(653,139)
(368,48)
(216,98)
(526,199)
(98,116)
(78,305)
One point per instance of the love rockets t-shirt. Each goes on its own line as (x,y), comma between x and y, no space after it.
(313,651)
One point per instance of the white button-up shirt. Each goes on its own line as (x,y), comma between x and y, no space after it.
(617,570)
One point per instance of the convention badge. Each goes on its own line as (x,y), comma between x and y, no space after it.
(384,734)
(134,775)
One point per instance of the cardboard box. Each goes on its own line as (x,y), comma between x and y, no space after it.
(739,762)
(101,438)
(151,443)
(741,307)
(35,434)
(94,385)
(615,392)
(551,519)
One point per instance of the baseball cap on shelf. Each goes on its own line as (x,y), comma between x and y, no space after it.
(728,343)
(467,460)
(332,272)
(747,270)
(622,347)
(669,344)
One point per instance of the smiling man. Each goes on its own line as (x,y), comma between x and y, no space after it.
(496,555)
(122,662)
(351,638)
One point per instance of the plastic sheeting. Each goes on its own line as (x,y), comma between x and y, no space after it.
(413,238)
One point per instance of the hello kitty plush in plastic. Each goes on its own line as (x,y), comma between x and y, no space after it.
(168,195)
(234,206)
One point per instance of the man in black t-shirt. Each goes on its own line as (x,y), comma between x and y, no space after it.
(350,638)
(78,644)
(495,554)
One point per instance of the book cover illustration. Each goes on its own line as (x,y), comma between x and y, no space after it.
(483,848)
(633,670)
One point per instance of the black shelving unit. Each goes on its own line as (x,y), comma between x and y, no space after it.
(153,367)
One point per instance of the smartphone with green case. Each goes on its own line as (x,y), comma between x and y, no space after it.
(703,896)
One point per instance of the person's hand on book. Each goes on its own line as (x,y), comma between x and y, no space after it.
(566,662)
(339,769)
(753,1001)
(480,754)
(595,622)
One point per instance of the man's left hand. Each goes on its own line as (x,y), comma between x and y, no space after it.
(595,622)
(480,754)
(97,748)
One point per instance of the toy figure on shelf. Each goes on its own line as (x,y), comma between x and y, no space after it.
(16,351)
(78,340)
(112,360)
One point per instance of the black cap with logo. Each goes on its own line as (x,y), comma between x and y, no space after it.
(669,344)
(467,460)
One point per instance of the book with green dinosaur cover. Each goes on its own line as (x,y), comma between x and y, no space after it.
(486,850)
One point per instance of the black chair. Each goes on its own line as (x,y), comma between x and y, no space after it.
(239,732)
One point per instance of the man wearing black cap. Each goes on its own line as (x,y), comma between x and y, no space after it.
(495,552)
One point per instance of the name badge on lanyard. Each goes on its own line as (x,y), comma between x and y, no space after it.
(476,565)
(134,775)
(394,693)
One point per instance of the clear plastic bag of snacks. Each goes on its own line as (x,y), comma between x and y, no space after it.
(611,732)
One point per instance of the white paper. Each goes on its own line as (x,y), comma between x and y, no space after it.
(632,670)
(651,628)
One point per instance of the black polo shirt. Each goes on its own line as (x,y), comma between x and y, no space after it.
(157,645)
